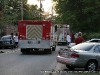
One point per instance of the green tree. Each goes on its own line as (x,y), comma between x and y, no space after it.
(81,15)
(10,11)
(31,12)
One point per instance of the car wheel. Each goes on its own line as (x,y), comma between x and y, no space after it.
(70,67)
(91,66)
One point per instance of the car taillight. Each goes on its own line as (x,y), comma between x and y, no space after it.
(74,55)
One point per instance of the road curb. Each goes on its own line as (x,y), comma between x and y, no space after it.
(58,69)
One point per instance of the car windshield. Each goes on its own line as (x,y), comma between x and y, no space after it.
(83,46)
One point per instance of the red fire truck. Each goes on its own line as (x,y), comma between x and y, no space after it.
(35,35)
(62,33)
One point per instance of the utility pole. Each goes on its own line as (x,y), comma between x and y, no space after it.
(52,13)
(40,10)
(21,9)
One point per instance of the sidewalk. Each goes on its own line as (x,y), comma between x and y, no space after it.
(58,70)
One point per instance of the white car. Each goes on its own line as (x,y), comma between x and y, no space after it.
(94,40)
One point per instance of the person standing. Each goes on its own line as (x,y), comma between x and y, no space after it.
(76,35)
(16,39)
(68,38)
(72,37)
(79,39)
(12,40)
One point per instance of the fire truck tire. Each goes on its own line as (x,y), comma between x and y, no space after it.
(48,51)
(53,48)
(23,51)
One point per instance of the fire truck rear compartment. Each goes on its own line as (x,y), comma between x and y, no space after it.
(37,37)
(35,45)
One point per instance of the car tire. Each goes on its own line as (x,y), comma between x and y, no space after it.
(70,67)
(49,51)
(91,66)
(53,49)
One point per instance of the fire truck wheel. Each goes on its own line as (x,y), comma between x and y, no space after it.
(50,51)
(23,51)
(53,48)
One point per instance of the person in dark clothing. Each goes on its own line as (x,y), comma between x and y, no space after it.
(79,39)
(72,38)
(11,40)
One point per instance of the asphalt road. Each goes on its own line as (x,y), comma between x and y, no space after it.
(13,62)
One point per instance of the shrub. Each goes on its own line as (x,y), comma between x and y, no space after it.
(88,36)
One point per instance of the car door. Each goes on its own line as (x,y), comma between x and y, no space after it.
(97,53)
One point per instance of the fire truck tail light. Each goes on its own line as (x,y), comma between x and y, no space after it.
(47,35)
(22,37)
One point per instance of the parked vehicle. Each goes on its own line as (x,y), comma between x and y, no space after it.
(84,55)
(5,42)
(35,35)
(61,34)
(94,40)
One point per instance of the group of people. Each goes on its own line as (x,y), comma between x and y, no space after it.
(76,38)
(14,38)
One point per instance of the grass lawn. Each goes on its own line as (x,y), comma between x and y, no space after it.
(81,73)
